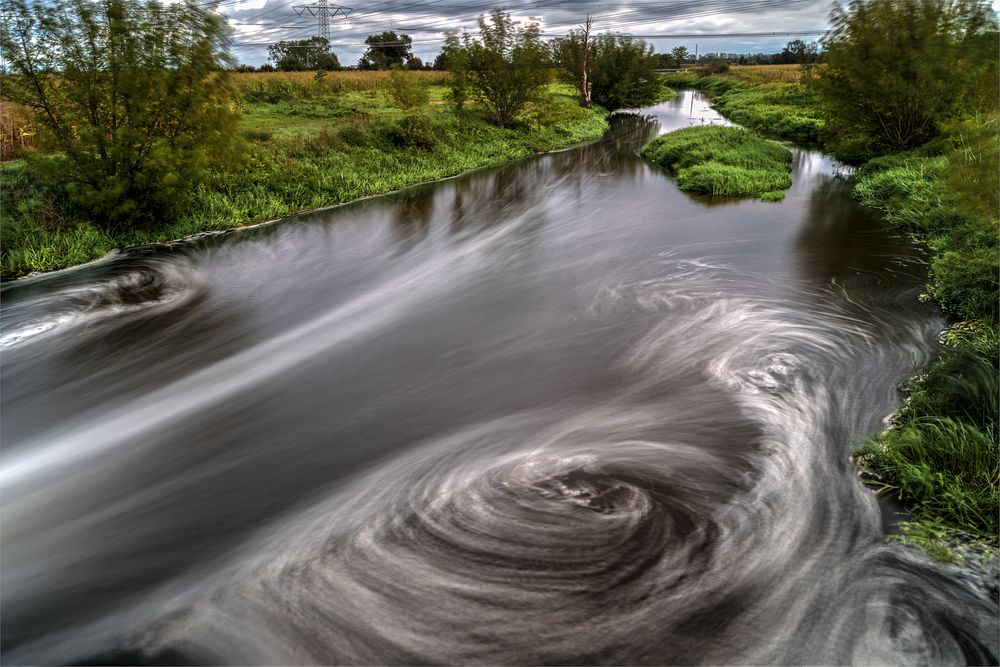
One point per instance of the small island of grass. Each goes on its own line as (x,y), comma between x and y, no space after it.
(727,161)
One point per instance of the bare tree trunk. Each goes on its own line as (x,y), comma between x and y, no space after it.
(585,82)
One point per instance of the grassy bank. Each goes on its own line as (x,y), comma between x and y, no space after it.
(941,455)
(724,161)
(313,140)
(767,99)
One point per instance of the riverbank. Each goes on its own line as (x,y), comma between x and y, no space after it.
(940,455)
(311,141)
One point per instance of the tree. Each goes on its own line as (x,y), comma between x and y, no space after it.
(679,54)
(508,65)
(895,69)
(624,73)
(575,55)
(130,94)
(454,58)
(797,51)
(385,50)
(303,54)
(615,71)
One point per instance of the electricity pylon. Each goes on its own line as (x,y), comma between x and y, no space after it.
(323,11)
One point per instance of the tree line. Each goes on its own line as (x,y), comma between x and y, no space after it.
(388,50)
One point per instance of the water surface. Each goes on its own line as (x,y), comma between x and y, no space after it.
(555,412)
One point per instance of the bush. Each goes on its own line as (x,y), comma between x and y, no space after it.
(414,130)
(407,91)
(713,66)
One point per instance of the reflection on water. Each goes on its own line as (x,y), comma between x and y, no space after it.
(558,411)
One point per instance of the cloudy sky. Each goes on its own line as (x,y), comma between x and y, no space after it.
(257,23)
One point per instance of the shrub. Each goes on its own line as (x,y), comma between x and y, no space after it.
(407,91)
(414,130)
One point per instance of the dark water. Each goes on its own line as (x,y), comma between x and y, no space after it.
(558,412)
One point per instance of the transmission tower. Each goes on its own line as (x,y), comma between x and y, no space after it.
(323,11)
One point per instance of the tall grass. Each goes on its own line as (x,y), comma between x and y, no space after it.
(757,74)
(308,84)
(722,161)
(944,469)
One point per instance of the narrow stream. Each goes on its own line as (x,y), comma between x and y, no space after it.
(555,412)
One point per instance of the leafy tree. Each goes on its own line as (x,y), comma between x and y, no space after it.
(385,50)
(298,55)
(454,57)
(130,94)
(797,51)
(624,73)
(508,65)
(896,69)
(679,54)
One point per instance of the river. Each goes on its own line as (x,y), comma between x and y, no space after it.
(554,412)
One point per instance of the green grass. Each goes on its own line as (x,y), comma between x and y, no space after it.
(945,469)
(723,161)
(942,456)
(307,149)
(787,111)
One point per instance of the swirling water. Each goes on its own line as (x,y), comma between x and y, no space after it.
(556,412)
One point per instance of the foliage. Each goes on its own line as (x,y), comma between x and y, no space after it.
(624,73)
(414,130)
(713,66)
(303,54)
(575,55)
(722,161)
(17,132)
(679,54)
(896,68)
(797,51)
(128,94)
(973,151)
(407,91)
(615,71)
(454,57)
(914,192)
(508,65)
(386,50)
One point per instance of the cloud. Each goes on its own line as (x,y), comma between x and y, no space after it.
(258,23)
